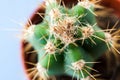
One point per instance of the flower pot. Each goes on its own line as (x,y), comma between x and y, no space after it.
(28,59)
(114,4)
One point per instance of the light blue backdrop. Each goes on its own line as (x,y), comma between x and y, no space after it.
(11,13)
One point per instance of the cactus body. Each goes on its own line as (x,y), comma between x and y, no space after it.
(68,38)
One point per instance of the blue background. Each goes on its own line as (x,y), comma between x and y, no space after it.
(13,12)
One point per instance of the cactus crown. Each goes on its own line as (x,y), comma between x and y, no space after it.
(68,41)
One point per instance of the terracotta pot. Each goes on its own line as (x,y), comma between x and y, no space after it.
(114,4)
(26,47)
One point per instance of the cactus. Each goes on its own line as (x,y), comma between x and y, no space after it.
(68,41)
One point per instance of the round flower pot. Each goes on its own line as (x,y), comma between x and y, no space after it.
(29,60)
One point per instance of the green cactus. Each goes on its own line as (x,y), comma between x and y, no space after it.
(68,41)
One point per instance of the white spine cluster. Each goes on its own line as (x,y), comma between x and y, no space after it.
(87,32)
(50,48)
(85,3)
(42,72)
(78,65)
(49,2)
(28,32)
(108,37)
